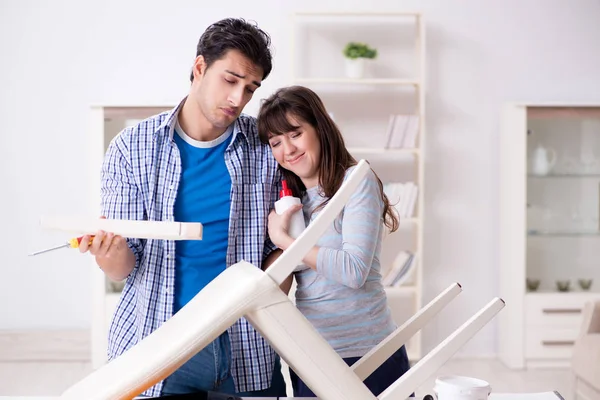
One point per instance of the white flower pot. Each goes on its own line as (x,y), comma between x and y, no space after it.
(355,68)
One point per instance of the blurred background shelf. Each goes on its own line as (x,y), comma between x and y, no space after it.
(563,234)
(390,92)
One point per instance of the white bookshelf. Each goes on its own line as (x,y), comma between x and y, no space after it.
(382,152)
(356,81)
(394,84)
(105,123)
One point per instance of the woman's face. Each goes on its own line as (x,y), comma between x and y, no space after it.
(299,151)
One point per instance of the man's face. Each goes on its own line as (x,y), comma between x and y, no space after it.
(223,90)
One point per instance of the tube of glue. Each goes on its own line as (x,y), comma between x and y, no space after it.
(297,225)
(287,200)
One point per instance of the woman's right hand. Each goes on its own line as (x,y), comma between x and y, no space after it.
(279,226)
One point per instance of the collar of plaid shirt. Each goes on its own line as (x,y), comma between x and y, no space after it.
(140,177)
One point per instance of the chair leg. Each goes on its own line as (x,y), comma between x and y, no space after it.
(408,383)
(384,350)
(126,228)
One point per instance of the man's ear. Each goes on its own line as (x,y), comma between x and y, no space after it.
(199,67)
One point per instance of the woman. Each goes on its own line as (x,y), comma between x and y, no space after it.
(340,292)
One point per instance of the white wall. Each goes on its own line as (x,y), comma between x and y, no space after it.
(59,57)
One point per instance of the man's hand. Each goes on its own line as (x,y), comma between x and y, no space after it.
(112,254)
(103,245)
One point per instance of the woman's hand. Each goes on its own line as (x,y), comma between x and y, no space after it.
(279,225)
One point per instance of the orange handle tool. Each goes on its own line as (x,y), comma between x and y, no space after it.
(73,243)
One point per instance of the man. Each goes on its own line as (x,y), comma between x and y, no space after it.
(201,162)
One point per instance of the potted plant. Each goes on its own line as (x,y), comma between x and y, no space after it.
(356,55)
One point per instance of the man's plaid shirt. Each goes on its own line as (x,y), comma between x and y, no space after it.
(140,178)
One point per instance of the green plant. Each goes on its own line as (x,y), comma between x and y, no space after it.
(355,50)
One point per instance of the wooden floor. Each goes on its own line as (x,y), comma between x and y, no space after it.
(51,378)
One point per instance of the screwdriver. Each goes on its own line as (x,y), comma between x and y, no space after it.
(73,244)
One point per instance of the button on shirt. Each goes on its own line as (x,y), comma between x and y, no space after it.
(140,176)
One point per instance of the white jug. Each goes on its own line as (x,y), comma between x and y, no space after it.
(542,160)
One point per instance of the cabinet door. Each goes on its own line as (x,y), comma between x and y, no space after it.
(563,181)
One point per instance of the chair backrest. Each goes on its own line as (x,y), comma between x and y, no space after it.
(285,264)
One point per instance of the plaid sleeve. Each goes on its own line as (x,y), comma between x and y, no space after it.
(276,187)
(120,196)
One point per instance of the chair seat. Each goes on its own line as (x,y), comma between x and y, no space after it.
(194,327)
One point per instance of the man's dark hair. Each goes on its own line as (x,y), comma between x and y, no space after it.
(235,34)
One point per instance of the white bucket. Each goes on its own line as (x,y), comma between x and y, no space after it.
(454,387)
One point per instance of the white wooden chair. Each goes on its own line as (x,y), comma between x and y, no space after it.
(246,291)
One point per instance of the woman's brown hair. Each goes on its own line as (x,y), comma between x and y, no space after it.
(304,104)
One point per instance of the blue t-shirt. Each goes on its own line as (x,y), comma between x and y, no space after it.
(203,196)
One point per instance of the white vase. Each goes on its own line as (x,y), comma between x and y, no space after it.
(355,68)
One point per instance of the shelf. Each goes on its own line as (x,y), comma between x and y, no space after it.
(555,111)
(553,293)
(566,176)
(411,220)
(357,14)
(133,112)
(365,105)
(401,289)
(563,234)
(359,81)
(548,292)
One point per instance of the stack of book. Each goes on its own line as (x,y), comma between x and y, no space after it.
(400,272)
(403,196)
(402,132)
